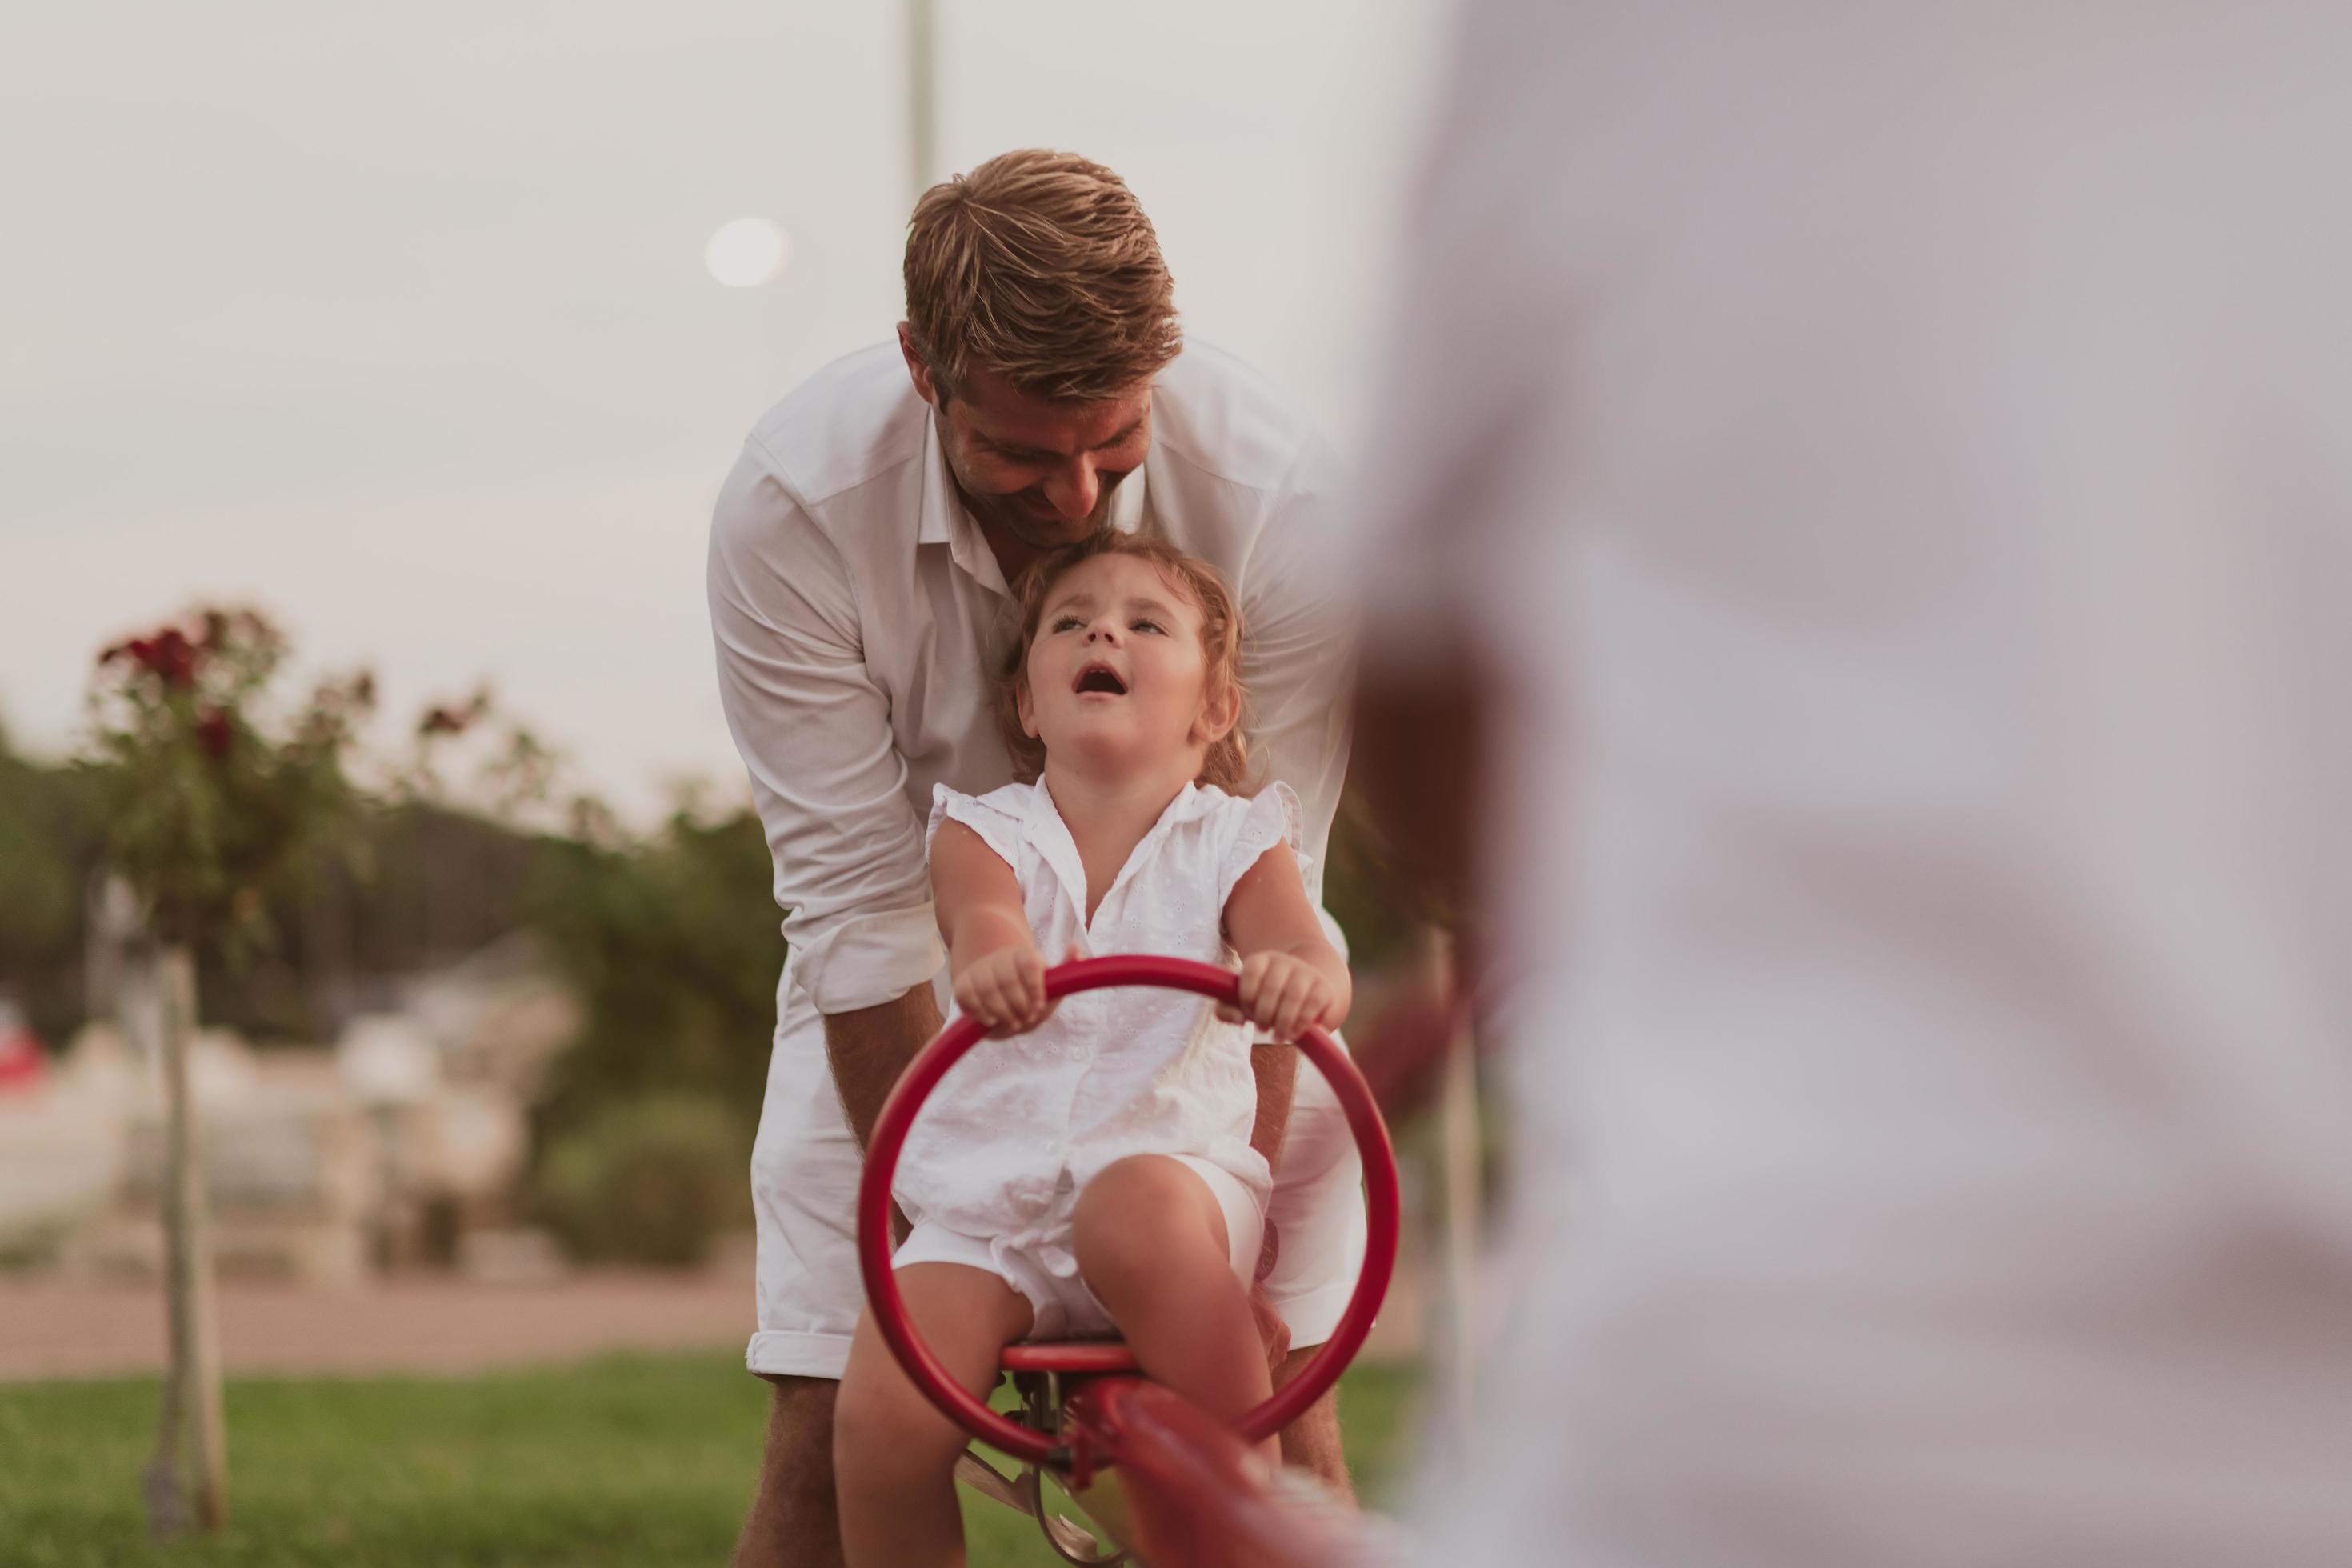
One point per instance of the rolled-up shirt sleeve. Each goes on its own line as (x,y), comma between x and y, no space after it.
(814,733)
(1298,661)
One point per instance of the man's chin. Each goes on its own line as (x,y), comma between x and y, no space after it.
(1055,535)
(1035,533)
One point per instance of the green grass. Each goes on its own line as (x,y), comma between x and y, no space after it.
(642,1460)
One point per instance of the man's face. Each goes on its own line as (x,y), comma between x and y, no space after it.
(1038,471)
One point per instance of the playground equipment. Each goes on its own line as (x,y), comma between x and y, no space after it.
(1154,1473)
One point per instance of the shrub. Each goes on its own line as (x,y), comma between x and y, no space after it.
(650,1181)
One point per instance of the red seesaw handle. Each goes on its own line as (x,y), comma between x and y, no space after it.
(931,1064)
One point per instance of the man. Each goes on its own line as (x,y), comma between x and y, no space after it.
(1874,483)
(862,553)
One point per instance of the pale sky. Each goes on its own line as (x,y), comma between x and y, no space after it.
(394,320)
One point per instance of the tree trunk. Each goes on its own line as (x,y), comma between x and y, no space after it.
(191,1447)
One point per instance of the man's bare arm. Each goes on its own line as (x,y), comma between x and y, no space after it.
(868,1048)
(1275,1067)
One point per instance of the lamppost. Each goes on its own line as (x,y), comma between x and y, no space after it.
(922,93)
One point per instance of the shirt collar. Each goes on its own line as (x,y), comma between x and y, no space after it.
(940,507)
(1051,836)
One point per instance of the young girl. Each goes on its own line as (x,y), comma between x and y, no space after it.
(1095,1175)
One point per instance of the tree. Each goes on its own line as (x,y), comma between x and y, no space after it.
(216,795)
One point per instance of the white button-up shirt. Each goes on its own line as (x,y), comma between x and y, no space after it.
(860,616)
(1020,1126)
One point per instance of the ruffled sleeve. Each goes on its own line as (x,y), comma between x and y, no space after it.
(1271,817)
(998,828)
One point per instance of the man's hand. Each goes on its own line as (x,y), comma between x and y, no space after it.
(1283,993)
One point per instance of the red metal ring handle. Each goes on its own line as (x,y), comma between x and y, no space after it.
(931,1064)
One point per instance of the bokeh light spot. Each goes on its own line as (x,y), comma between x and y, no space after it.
(747,252)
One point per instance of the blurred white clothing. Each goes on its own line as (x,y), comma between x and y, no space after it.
(1899,460)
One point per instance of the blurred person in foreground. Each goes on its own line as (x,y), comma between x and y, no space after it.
(866,556)
(1861,587)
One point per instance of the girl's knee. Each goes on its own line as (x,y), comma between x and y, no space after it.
(1143,1217)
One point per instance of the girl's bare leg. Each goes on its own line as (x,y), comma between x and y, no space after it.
(894,1455)
(1150,1241)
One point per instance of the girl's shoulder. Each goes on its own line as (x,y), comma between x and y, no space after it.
(1237,830)
(1274,807)
(1001,816)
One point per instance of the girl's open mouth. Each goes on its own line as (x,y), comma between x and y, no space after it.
(1100,678)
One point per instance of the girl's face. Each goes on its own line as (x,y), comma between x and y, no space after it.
(1116,674)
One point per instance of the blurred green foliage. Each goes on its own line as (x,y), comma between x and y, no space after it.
(437,885)
(1359,891)
(674,944)
(49,849)
(653,1181)
(670,939)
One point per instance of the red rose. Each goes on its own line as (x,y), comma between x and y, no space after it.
(215,733)
(174,657)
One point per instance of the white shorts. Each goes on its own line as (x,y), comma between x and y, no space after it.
(805,1171)
(1064,1308)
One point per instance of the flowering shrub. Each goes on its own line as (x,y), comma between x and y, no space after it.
(215,793)
(476,756)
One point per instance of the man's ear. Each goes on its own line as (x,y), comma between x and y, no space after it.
(1219,714)
(916,368)
(1026,709)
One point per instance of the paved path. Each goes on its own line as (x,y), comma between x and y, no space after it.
(422,1324)
(428,1323)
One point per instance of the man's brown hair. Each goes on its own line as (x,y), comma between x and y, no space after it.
(1041,268)
(1227,765)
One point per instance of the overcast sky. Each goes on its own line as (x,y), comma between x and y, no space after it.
(394,320)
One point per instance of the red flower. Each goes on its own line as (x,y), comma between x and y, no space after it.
(172,658)
(169,655)
(215,733)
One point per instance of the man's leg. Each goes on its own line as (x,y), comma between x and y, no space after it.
(804,1172)
(1318,1214)
(1312,1442)
(794,1522)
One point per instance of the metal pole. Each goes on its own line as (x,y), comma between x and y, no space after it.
(922,93)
